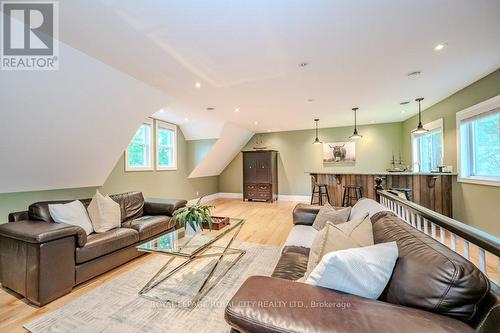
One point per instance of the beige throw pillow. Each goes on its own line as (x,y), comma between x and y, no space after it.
(335,237)
(104,213)
(328,213)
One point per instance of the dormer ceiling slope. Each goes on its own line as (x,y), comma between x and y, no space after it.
(68,128)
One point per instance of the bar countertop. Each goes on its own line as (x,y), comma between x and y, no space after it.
(382,173)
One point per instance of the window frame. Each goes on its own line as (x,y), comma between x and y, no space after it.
(461,116)
(163,124)
(431,126)
(150,123)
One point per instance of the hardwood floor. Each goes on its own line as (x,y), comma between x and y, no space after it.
(267,224)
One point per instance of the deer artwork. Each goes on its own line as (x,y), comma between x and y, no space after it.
(339,152)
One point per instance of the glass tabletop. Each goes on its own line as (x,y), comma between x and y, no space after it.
(177,243)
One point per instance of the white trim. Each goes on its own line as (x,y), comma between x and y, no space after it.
(433,125)
(168,126)
(483,107)
(230,195)
(298,198)
(281,197)
(149,122)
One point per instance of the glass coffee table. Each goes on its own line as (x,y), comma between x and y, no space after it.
(176,244)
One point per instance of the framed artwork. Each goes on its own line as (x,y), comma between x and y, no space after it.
(339,152)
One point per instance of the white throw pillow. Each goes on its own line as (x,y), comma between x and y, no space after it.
(336,237)
(73,213)
(329,214)
(104,213)
(362,271)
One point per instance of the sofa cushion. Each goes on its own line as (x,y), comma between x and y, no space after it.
(149,226)
(364,206)
(73,213)
(291,266)
(131,204)
(329,214)
(362,271)
(100,244)
(336,237)
(157,206)
(428,275)
(301,235)
(104,213)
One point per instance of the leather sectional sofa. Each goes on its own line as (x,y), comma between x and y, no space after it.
(432,288)
(43,260)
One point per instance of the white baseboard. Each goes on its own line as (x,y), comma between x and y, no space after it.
(229,195)
(281,197)
(300,198)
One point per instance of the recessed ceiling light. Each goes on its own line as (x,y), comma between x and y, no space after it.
(303,64)
(210,108)
(237,110)
(440,46)
(162,111)
(255,122)
(403,112)
(414,74)
(186,119)
(197,85)
(405,102)
(268,130)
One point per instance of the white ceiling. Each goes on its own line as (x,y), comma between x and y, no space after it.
(245,54)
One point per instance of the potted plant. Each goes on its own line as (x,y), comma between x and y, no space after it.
(192,217)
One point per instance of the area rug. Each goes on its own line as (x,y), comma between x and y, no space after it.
(115,306)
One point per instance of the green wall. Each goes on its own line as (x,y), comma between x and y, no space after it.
(477,205)
(297,155)
(15,202)
(162,184)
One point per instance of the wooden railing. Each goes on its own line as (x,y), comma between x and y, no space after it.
(479,247)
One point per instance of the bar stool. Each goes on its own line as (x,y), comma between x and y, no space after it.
(321,190)
(351,192)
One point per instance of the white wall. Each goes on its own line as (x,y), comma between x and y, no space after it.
(68,128)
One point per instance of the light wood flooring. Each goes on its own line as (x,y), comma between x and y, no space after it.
(267,224)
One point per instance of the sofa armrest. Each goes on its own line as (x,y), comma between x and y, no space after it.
(305,214)
(18,216)
(37,232)
(156,206)
(271,305)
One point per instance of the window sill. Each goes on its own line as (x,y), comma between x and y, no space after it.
(479,181)
(138,169)
(166,169)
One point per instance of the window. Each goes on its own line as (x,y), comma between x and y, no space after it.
(479,143)
(428,147)
(138,155)
(166,146)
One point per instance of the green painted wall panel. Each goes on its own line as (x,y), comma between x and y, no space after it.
(476,205)
(297,155)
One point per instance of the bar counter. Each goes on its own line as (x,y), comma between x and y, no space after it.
(431,190)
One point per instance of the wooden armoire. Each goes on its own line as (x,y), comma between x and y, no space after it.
(260,175)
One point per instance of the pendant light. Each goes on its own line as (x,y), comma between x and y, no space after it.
(316,141)
(355,134)
(420,128)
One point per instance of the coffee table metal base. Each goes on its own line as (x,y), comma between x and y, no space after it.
(206,286)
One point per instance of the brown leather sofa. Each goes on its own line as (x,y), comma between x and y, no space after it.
(43,260)
(432,289)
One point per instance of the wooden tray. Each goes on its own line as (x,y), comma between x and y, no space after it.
(218,222)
